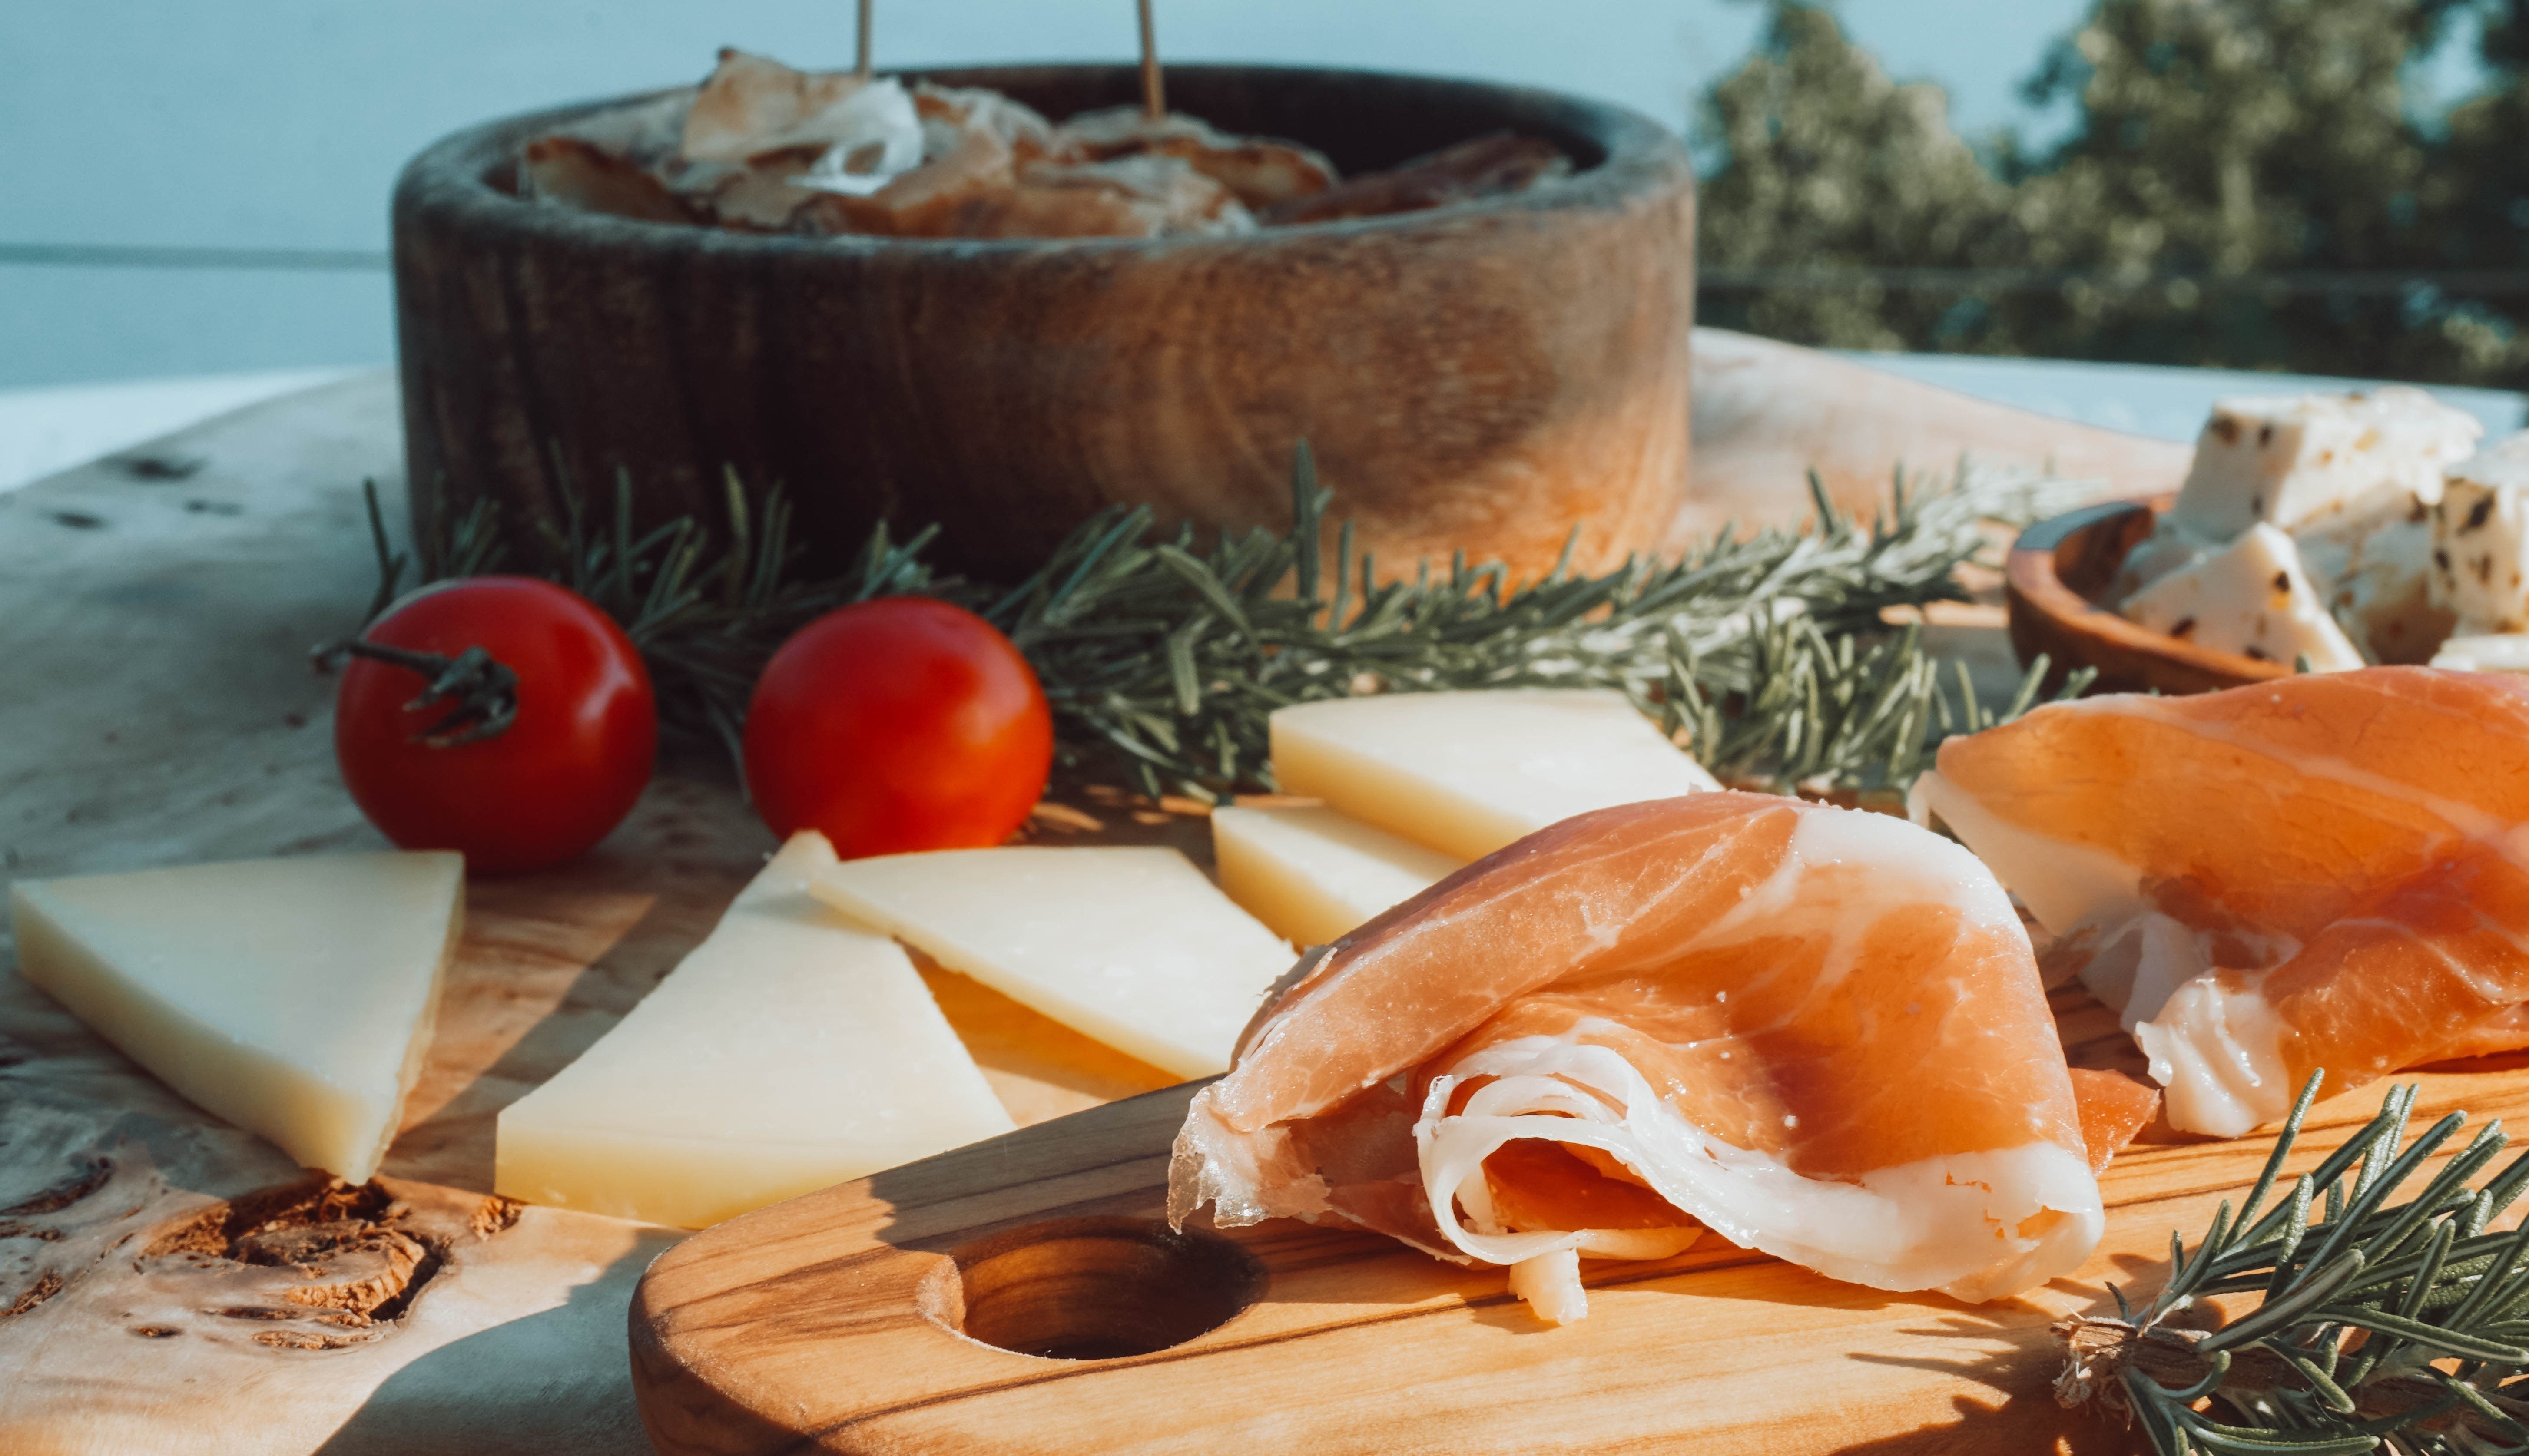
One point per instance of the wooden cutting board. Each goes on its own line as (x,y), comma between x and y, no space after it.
(158,606)
(890,1315)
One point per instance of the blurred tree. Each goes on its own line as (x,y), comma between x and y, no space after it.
(1833,166)
(2242,186)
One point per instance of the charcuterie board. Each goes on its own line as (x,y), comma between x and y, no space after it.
(928,1308)
(161,713)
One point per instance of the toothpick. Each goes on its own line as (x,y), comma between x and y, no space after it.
(861,66)
(1154,99)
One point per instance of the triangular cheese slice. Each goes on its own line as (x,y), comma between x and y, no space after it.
(1311,874)
(789,1050)
(1130,946)
(1467,772)
(292,997)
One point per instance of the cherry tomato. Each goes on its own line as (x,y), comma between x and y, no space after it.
(898,724)
(540,791)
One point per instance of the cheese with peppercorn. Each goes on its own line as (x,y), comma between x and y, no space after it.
(2296,460)
(2251,598)
(2375,568)
(2480,570)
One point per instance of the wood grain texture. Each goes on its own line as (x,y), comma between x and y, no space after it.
(2053,580)
(163,713)
(1767,414)
(204,737)
(1479,376)
(827,1323)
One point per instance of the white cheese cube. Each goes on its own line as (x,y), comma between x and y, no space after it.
(2171,547)
(1131,947)
(294,997)
(2375,568)
(1311,874)
(792,1050)
(2293,460)
(2500,652)
(1467,772)
(2481,543)
(2251,598)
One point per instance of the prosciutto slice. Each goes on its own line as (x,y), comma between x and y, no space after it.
(1815,1031)
(2325,873)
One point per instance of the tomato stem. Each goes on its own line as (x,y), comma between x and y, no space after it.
(486,691)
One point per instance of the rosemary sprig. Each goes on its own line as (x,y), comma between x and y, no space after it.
(2400,1326)
(704,620)
(1763,653)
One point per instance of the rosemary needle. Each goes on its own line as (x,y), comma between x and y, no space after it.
(2401,1327)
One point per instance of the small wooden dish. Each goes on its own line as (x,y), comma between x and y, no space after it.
(1483,376)
(2057,570)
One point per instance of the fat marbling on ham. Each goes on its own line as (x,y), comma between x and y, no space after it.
(1815,1031)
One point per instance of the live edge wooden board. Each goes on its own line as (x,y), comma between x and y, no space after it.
(889,1316)
(158,711)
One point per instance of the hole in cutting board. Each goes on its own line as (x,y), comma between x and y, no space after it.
(1092,1289)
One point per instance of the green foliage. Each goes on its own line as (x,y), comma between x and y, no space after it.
(1831,164)
(1764,652)
(1163,657)
(2244,186)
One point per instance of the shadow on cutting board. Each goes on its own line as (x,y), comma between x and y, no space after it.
(553,1381)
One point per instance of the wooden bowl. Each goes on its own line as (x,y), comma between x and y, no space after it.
(1480,376)
(2057,570)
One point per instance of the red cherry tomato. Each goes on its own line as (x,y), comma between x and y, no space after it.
(563,772)
(898,724)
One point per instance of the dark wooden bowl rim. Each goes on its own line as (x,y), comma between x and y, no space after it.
(1617,153)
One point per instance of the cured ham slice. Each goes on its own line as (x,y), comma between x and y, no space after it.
(2507,1031)
(2114,1109)
(2328,872)
(1815,1031)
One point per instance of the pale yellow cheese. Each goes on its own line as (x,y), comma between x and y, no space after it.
(1132,946)
(1467,772)
(292,997)
(1311,874)
(789,1050)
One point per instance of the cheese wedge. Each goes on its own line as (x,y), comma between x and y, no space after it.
(789,1050)
(1311,874)
(2294,460)
(2252,598)
(292,997)
(1466,772)
(1132,946)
